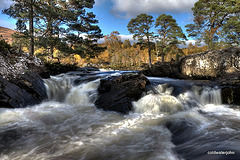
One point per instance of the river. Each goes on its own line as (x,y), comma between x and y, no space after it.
(174,120)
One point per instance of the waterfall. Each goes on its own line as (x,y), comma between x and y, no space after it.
(156,104)
(160,99)
(58,87)
(84,94)
(173,120)
(211,96)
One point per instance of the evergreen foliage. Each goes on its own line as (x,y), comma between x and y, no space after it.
(215,21)
(64,25)
(140,28)
(169,33)
(4,46)
(21,37)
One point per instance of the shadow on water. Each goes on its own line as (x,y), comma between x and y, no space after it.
(217,139)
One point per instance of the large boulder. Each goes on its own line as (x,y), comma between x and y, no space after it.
(26,90)
(211,64)
(20,82)
(116,93)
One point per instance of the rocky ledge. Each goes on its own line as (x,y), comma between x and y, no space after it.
(116,93)
(221,66)
(20,82)
(166,69)
(216,64)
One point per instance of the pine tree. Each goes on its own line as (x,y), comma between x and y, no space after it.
(140,27)
(21,37)
(212,21)
(169,33)
(23,10)
(58,23)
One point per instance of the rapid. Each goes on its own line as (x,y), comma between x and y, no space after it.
(174,120)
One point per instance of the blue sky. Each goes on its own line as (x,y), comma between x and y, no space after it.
(114,15)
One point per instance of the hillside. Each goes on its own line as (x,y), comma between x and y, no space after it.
(7,34)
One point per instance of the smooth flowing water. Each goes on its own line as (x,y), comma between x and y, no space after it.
(173,120)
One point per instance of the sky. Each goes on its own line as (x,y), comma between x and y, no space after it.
(114,15)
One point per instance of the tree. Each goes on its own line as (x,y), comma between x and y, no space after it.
(140,27)
(21,37)
(114,46)
(68,21)
(58,22)
(87,35)
(212,18)
(31,30)
(127,44)
(231,30)
(178,52)
(169,33)
(23,10)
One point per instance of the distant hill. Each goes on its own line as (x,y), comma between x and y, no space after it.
(7,34)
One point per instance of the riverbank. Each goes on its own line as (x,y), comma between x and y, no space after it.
(219,65)
(21,76)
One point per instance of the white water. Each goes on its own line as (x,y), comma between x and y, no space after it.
(69,127)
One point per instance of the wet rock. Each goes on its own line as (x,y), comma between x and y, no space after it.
(117,93)
(20,81)
(88,69)
(231,95)
(222,66)
(166,69)
(58,68)
(28,89)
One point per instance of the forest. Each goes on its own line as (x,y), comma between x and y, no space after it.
(67,32)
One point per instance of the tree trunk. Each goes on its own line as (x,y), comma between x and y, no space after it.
(51,50)
(149,53)
(149,56)
(162,57)
(31,47)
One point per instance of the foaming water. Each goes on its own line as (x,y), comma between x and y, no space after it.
(158,104)
(211,96)
(58,86)
(84,94)
(165,125)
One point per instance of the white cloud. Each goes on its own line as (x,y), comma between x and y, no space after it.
(131,8)
(5,4)
(123,38)
(191,41)
(127,37)
(99,2)
(130,37)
